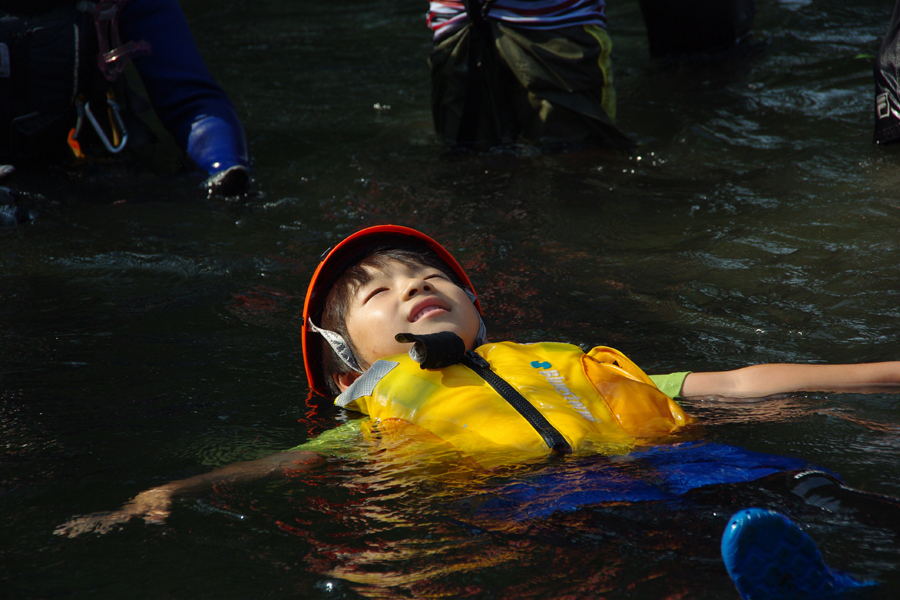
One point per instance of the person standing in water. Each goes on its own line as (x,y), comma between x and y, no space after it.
(540,71)
(63,94)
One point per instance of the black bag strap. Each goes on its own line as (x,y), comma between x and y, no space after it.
(443,349)
(553,438)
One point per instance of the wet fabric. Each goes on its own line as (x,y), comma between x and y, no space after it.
(887,84)
(600,401)
(188,101)
(447,16)
(663,472)
(344,439)
(496,84)
(671,383)
(651,474)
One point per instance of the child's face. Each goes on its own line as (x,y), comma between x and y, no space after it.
(403,299)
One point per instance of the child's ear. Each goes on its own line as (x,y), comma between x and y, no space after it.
(344,380)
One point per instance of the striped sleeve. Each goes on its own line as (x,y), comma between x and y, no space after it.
(447,16)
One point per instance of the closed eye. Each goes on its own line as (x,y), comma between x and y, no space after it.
(374,293)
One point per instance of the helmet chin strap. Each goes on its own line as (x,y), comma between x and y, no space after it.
(481,338)
(342,348)
(339,345)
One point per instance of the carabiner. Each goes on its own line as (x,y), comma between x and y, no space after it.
(114,111)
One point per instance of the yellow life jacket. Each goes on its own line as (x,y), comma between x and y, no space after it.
(599,401)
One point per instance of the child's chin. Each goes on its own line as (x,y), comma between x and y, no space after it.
(437,324)
(439,327)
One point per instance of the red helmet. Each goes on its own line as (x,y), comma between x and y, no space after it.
(333,264)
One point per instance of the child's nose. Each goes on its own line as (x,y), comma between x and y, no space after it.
(416,286)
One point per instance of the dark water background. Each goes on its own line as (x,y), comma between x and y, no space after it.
(150,334)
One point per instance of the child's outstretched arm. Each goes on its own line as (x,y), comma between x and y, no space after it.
(153,505)
(766,380)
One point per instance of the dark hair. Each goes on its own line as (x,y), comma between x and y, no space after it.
(337,303)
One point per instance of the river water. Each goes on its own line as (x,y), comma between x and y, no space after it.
(150,334)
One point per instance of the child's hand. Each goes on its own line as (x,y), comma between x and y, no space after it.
(153,505)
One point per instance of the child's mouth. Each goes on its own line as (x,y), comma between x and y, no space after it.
(427,311)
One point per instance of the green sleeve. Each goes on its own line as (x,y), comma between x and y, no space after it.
(340,440)
(670,384)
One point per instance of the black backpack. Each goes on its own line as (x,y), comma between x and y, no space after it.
(48,58)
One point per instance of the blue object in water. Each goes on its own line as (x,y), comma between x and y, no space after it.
(769,558)
(662,472)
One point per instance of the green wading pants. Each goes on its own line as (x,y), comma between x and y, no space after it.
(495,84)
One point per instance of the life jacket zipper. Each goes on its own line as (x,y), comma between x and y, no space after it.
(553,438)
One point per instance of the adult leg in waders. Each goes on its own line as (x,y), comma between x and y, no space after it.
(481,89)
(470,103)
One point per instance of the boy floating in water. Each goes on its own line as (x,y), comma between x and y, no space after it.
(393,328)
